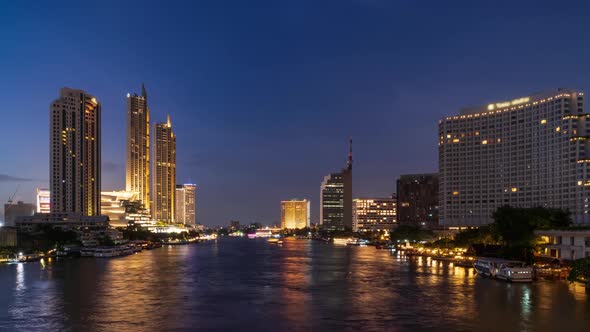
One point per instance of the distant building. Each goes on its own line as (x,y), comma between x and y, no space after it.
(526,152)
(295,214)
(564,244)
(43,201)
(374,214)
(89,229)
(12,211)
(137,177)
(185,204)
(417,200)
(234,224)
(164,172)
(7,237)
(336,198)
(75,153)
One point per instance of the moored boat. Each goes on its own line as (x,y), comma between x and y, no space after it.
(512,271)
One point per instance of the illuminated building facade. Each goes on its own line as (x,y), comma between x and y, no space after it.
(164,172)
(531,151)
(43,201)
(336,198)
(115,205)
(138,147)
(373,214)
(75,158)
(295,214)
(186,204)
(417,200)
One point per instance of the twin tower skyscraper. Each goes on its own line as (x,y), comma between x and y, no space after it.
(75,156)
(151,170)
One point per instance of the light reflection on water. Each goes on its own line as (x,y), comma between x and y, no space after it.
(252,285)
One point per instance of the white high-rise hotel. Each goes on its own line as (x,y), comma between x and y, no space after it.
(530,151)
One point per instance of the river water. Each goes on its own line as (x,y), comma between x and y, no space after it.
(238,284)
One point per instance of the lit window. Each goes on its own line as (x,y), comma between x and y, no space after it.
(514,189)
(484,142)
(544,121)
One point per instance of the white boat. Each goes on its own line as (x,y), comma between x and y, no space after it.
(513,271)
(107,252)
(357,242)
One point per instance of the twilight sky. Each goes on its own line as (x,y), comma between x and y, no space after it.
(263,95)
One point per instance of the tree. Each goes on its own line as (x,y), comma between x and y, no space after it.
(515,227)
(580,270)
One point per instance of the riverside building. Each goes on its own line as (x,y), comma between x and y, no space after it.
(417,200)
(526,152)
(185,204)
(373,214)
(137,177)
(164,172)
(74,172)
(336,198)
(295,214)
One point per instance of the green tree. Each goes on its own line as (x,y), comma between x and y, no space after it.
(580,271)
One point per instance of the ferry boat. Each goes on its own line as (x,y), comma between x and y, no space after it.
(512,271)
(103,252)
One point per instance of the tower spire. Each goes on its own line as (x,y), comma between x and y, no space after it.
(349,162)
(168,121)
(143,92)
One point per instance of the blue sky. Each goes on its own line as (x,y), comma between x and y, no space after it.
(263,95)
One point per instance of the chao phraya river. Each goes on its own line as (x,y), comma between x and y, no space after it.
(239,284)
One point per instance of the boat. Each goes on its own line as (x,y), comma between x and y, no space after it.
(87,251)
(357,242)
(69,251)
(511,271)
(274,240)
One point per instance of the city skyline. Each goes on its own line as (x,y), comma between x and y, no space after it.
(411,85)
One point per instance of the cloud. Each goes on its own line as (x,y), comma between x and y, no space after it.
(111,167)
(10,178)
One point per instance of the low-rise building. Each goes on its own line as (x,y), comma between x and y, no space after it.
(564,244)
(7,237)
(88,228)
(373,214)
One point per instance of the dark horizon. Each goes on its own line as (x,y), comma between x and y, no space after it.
(264,96)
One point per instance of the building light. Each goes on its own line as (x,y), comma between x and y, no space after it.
(558,129)
(499,140)
(456,140)
(514,189)
(484,142)
(544,121)
(448,135)
(455,193)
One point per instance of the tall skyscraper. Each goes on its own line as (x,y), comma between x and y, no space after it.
(527,152)
(164,172)
(417,200)
(295,214)
(185,204)
(373,214)
(138,147)
(336,198)
(75,153)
